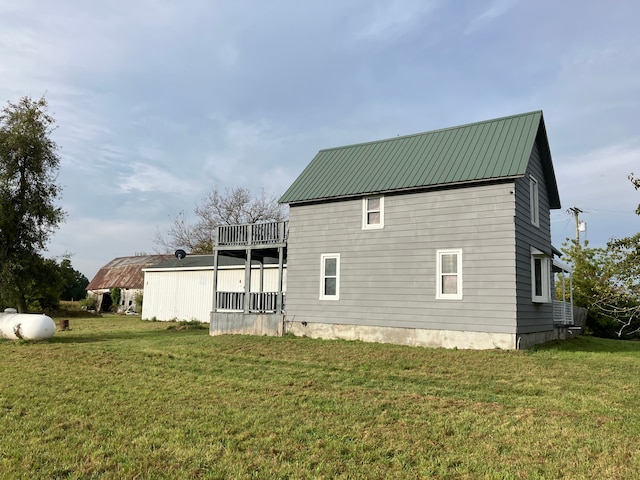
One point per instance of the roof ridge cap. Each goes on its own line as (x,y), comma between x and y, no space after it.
(384,140)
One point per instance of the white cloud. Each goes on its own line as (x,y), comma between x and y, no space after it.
(143,177)
(393,18)
(154,97)
(596,182)
(497,9)
(246,151)
(228,55)
(93,242)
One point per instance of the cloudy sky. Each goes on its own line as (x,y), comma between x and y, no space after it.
(158,102)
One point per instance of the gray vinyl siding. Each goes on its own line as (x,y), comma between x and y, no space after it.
(388,276)
(532,317)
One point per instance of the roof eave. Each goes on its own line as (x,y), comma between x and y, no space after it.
(416,189)
(549,174)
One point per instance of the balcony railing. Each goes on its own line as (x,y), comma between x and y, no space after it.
(231,301)
(252,234)
(562,312)
(264,301)
(259,302)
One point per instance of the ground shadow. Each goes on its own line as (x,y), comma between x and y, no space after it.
(61,337)
(588,343)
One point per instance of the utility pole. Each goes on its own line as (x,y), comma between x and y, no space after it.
(575,211)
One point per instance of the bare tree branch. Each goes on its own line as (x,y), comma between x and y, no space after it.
(235,206)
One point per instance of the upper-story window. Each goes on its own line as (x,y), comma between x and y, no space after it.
(373,212)
(534,201)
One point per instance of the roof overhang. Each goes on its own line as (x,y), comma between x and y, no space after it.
(547,165)
(400,191)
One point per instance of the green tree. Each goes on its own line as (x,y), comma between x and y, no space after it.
(591,275)
(636,184)
(116,296)
(74,283)
(44,285)
(607,282)
(620,299)
(29,165)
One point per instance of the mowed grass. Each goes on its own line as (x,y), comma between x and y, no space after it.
(118,397)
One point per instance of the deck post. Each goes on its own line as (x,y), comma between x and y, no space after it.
(247,270)
(247,281)
(280,280)
(214,306)
(261,275)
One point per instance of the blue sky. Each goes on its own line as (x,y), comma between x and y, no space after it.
(157,102)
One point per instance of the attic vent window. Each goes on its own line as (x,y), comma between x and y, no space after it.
(372,213)
(534,201)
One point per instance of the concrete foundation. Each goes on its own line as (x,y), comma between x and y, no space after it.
(276,325)
(528,340)
(406,336)
(246,324)
(429,338)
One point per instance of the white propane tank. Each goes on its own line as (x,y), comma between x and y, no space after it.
(16,326)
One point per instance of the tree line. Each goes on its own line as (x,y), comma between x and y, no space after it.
(29,164)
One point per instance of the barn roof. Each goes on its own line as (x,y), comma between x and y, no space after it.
(124,272)
(478,152)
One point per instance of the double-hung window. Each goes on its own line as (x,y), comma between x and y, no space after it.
(449,281)
(372,212)
(330,276)
(534,202)
(540,277)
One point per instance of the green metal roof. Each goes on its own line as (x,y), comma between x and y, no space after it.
(483,151)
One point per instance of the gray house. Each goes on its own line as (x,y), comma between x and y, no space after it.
(435,239)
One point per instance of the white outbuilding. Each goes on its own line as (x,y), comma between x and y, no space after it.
(183,289)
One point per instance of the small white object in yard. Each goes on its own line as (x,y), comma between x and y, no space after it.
(17,326)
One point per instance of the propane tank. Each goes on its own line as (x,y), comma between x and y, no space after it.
(17,326)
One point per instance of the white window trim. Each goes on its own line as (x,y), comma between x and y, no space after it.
(365,224)
(323,257)
(534,201)
(545,271)
(448,296)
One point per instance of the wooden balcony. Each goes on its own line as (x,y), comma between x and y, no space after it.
(270,234)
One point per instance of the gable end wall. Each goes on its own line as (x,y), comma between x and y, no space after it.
(532,317)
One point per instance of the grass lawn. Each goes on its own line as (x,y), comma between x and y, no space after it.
(117,397)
